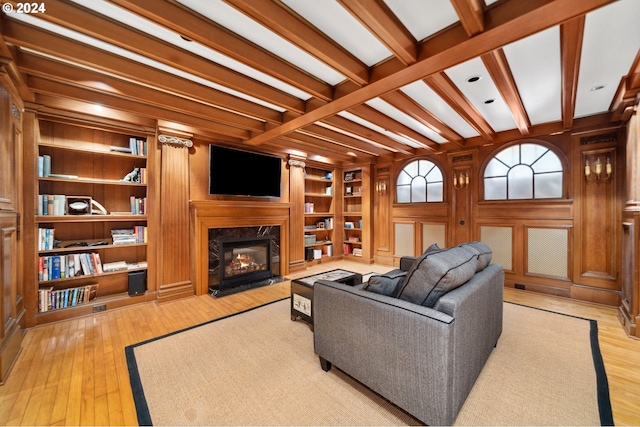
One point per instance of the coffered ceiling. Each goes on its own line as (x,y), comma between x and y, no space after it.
(333,80)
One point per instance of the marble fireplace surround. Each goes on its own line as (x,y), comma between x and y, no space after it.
(206,214)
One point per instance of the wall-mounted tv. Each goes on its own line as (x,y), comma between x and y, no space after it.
(243,173)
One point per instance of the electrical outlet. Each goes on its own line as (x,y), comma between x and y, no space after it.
(99,308)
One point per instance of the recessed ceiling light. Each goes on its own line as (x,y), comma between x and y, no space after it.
(598,87)
(185,39)
(473,79)
(489,101)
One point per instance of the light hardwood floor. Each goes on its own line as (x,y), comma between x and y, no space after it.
(75,372)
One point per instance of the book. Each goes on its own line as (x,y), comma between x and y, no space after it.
(114,266)
(46,165)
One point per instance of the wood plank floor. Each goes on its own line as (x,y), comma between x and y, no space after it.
(75,373)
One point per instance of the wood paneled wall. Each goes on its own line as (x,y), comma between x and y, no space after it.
(589,214)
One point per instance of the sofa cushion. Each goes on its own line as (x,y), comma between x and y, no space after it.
(436,273)
(385,284)
(484,254)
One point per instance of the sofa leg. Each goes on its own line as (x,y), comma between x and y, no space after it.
(325,364)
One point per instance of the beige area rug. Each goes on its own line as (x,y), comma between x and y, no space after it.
(259,368)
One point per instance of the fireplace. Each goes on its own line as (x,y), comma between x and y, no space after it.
(244,261)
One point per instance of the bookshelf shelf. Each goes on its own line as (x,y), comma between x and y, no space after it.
(42,219)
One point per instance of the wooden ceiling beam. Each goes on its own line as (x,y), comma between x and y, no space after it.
(498,67)
(402,102)
(364,132)
(216,37)
(91,80)
(571,35)
(506,23)
(449,92)
(471,15)
(374,116)
(314,147)
(284,22)
(49,87)
(339,138)
(112,65)
(382,23)
(79,19)
(55,106)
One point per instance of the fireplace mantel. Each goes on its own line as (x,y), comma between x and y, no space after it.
(206,214)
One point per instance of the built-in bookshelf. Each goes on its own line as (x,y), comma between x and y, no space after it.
(352,236)
(319,214)
(91,219)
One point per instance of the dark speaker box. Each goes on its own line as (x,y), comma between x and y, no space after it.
(137,282)
(308,254)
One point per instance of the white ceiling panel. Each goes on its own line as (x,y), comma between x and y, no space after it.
(424,18)
(530,58)
(426,97)
(225,15)
(338,24)
(483,93)
(611,42)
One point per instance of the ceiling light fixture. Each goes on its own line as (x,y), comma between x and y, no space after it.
(473,79)
(598,87)
(185,38)
(489,101)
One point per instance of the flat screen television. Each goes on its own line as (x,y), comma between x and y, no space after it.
(235,172)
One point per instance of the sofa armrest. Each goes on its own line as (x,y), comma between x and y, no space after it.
(400,350)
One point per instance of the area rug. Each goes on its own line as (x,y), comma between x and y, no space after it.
(259,368)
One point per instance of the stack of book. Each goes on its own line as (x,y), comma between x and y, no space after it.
(64,266)
(357,251)
(51,299)
(129,236)
(308,207)
(45,239)
(51,204)
(138,205)
(138,146)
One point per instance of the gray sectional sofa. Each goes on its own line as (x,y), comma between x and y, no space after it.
(419,335)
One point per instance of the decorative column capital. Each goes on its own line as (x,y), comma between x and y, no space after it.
(175,140)
(298,163)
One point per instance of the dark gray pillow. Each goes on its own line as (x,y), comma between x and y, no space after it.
(433,248)
(385,284)
(484,254)
(436,273)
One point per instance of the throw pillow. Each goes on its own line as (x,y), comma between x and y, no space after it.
(433,248)
(484,254)
(436,273)
(385,284)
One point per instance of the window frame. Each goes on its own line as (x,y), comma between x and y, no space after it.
(553,148)
(401,169)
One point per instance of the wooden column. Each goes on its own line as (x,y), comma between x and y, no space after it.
(296,198)
(381,221)
(174,261)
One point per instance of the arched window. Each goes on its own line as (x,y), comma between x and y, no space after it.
(419,181)
(523,171)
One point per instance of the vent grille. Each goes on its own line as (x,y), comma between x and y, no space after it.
(548,250)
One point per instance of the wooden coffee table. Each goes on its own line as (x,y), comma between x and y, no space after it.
(302,291)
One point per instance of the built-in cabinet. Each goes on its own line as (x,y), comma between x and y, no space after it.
(319,214)
(91,201)
(11,280)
